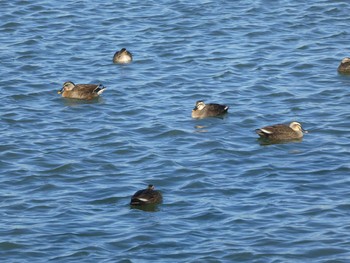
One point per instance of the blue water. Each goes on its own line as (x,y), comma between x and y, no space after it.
(69,168)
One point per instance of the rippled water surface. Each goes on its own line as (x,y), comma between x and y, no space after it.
(69,168)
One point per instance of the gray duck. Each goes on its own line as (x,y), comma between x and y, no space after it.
(122,57)
(81,91)
(146,196)
(344,66)
(282,131)
(202,110)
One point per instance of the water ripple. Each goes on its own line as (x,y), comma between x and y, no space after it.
(69,167)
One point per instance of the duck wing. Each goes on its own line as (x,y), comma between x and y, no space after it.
(273,130)
(89,88)
(218,108)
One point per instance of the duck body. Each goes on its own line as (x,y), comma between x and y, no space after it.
(282,131)
(146,196)
(202,110)
(122,57)
(344,66)
(81,91)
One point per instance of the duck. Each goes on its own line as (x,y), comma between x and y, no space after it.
(282,131)
(344,66)
(202,110)
(122,57)
(146,196)
(81,91)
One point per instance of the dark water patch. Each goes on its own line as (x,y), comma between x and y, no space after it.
(11,246)
(10,27)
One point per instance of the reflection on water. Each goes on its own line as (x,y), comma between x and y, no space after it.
(146,208)
(266,142)
(200,128)
(76,102)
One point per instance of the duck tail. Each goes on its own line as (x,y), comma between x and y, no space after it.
(138,201)
(263,132)
(100,89)
(260,133)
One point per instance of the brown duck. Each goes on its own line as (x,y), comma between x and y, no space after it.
(81,91)
(344,66)
(122,57)
(282,131)
(202,110)
(146,196)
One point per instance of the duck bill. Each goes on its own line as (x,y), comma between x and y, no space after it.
(304,131)
(60,91)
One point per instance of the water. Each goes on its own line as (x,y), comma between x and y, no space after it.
(69,168)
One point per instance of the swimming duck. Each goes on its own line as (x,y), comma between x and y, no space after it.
(344,66)
(81,91)
(146,196)
(282,131)
(122,57)
(202,110)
